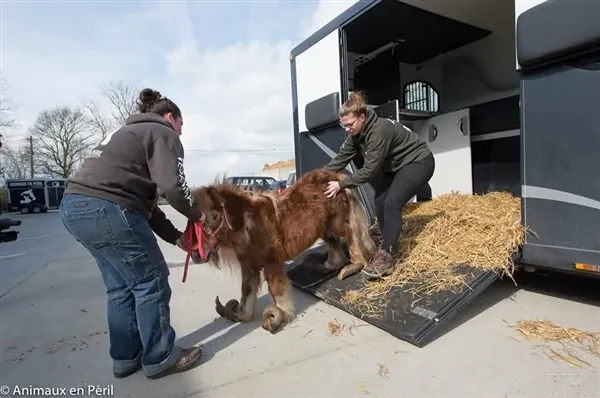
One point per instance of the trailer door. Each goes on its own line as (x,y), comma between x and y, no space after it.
(56,190)
(318,72)
(320,86)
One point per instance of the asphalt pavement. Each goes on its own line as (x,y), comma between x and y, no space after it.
(41,240)
(53,334)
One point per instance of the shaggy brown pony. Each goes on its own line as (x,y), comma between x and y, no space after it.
(259,232)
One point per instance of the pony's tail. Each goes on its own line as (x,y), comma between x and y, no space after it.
(362,245)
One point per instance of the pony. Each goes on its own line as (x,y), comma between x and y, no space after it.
(259,232)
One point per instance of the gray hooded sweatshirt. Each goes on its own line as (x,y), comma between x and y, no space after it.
(133,166)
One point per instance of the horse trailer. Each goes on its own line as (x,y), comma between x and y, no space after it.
(503,92)
(35,195)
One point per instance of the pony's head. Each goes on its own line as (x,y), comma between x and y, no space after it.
(212,204)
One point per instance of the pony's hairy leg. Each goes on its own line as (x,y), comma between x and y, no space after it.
(281,311)
(356,265)
(242,311)
(249,296)
(340,227)
(336,257)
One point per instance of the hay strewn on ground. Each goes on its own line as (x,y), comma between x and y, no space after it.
(483,231)
(561,343)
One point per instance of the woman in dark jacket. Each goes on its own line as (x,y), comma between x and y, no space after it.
(110,207)
(396,160)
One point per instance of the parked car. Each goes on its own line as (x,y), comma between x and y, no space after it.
(8,236)
(278,186)
(291,178)
(252,183)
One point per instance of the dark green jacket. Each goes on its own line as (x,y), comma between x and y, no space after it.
(385,145)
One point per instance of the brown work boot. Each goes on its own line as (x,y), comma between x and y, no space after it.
(187,359)
(381,264)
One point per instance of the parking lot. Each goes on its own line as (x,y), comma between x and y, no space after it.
(41,241)
(53,332)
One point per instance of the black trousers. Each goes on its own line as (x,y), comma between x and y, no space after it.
(394,190)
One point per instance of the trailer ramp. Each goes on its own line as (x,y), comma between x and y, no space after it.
(409,318)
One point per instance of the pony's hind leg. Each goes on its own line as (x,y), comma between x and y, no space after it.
(339,228)
(281,311)
(242,311)
(355,265)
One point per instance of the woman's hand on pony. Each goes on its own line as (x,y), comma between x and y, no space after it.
(332,189)
(182,243)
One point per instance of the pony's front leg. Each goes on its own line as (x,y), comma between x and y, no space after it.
(242,311)
(281,311)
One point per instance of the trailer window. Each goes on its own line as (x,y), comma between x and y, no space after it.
(421,96)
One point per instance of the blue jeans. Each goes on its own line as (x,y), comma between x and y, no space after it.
(135,273)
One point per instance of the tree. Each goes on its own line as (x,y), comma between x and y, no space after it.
(15,162)
(6,106)
(61,140)
(122,100)
(10,164)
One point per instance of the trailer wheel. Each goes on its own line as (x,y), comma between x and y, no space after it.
(24,210)
(37,209)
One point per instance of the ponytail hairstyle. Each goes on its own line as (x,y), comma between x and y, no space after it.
(151,101)
(356,105)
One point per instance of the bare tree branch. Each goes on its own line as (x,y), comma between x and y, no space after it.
(100,124)
(61,141)
(6,106)
(122,100)
(14,162)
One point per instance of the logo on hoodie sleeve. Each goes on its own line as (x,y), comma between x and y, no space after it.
(187,192)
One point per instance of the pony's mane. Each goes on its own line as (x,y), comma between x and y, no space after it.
(226,188)
(220,180)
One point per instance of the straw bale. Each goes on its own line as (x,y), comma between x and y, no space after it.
(438,236)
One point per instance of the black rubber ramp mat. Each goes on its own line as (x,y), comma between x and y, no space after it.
(406,317)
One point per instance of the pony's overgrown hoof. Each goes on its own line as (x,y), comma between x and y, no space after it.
(349,270)
(273,318)
(231,310)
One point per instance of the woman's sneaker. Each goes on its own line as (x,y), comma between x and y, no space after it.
(187,359)
(381,264)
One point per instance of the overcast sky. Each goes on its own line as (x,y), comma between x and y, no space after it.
(225,63)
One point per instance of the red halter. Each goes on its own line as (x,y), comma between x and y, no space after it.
(204,237)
